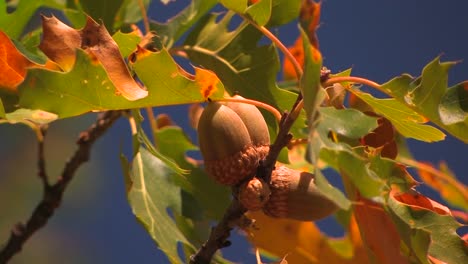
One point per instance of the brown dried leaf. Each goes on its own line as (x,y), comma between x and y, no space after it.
(60,42)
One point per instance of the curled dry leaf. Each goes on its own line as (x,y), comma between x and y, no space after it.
(60,42)
(13,64)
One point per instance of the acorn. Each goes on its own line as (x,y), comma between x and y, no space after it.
(254,194)
(231,143)
(295,196)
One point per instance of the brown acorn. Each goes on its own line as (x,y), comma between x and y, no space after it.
(295,196)
(227,147)
(254,194)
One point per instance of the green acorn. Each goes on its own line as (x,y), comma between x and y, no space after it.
(233,139)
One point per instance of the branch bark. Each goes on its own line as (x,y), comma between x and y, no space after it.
(53,194)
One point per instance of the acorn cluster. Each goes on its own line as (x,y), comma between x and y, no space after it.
(233,139)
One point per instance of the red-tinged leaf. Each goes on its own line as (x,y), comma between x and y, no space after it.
(289,73)
(13,64)
(309,18)
(443,181)
(207,81)
(382,138)
(426,227)
(378,233)
(418,201)
(60,42)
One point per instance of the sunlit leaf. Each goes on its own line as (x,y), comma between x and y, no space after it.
(235,5)
(260,12)
(430,96)
(126,42)
(174,144)
(356,168)
(87,88)
(241,65)
(302,242)
(421,226)
(151,194)
(60,43)
(330,191)
(406,121)
(347,122)
(13,64)
(310,81)
(14,23)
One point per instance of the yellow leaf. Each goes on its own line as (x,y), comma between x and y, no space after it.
(207,80)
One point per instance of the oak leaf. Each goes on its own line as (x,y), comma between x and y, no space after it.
(60,42)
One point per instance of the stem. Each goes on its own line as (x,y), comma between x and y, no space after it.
(279,44)
(153,123)
(144,15)
(267,107)
(459,186)
(364,81)
(53,194)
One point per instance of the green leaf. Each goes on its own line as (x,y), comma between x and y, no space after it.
(331,192)
(260,12)
(429,96)
(284,11)
(173,143)
(103,10)
(241,65)
(350,123)
(14,23)
(127,42)
(310,81)
(408,122)
(2,109)
(421,228)
(356,168)
(235,5)
(87,88)
(130,12)
(35,116)
(152,192)
(171,31)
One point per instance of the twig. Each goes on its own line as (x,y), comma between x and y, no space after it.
(219,235)
(41,158)
(53,193)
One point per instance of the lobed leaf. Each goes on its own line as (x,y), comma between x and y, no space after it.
(151,194)
(87,87)
(408,122)
(430,96)
(429,231)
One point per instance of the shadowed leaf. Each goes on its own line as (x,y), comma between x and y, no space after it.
(151,193)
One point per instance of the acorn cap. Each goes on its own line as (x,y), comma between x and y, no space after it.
(295,196)
(254,194)
(226,145)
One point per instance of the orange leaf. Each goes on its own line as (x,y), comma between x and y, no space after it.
(309,18)
(13,64)
(302,242)
(378,232)
(207,80)
(418,201)
(60,42)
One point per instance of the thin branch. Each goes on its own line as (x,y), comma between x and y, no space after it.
(353,79)
(53,193)
(41,158)
(219,235)
(146,24)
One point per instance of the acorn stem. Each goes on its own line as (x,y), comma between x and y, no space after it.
(265,106)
